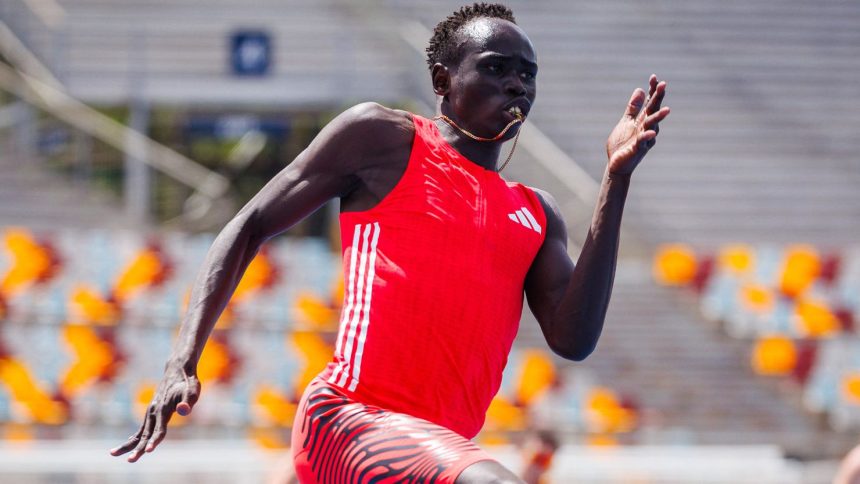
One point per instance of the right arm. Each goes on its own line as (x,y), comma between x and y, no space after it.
(334,165)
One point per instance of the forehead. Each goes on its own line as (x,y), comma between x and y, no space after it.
(496,35)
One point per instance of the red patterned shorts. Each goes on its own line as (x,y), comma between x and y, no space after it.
(338,440)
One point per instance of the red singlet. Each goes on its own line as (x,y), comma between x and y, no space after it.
(434,279)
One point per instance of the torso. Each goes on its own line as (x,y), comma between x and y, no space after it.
(436,250)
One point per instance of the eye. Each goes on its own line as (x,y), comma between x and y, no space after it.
(495,68)
(528,75)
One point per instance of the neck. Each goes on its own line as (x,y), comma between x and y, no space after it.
(482,153)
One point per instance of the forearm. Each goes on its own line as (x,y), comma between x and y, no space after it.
(226,261)
(582,310)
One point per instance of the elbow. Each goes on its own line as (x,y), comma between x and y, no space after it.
(574,351)
(246,226)
(577,339)
(572,335)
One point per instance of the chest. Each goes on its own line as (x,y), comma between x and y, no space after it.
(476,211)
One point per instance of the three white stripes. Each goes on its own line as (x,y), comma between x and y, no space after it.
(356,315)
(525,218)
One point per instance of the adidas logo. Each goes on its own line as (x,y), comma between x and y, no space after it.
(525,218)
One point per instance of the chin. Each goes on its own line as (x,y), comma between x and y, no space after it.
(511,132)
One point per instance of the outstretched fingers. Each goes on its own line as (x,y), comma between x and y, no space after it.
(652,101)
(160,429)
(654,111)
(189,397)
(652,84)
(136,442)
(148,426)
(634,105)
(655,98)
(651,122)
(647,135)
(651,127)
(129,444)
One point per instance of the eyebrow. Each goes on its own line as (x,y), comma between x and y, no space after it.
(497,55)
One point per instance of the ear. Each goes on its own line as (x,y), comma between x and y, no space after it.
(441,78)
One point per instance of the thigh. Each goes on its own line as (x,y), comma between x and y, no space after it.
(336,439)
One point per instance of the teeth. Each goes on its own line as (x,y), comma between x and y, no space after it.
(516,111)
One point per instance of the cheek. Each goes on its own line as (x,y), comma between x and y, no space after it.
(465,93)
(470,94)
(477,94)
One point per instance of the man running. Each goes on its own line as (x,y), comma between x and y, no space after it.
(438,251)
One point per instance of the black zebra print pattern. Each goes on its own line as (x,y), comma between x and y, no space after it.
(339,441)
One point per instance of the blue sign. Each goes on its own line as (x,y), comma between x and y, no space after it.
(234,126)
(250,53)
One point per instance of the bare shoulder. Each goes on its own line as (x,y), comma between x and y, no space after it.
(376,151)
(554,219)
(550,205)
(363,137)
(376,127)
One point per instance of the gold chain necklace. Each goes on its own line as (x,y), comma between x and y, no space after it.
(495,138)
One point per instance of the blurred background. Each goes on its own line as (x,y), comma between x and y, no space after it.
(131,131)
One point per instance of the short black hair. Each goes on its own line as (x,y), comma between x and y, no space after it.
(443,46)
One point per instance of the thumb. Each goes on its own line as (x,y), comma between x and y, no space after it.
(183,408)
(634,105)
(189,396)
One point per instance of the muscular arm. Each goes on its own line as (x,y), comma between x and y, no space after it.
(570,301)
(332,166)
(355,147)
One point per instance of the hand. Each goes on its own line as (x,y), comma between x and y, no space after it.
(636,133)
(178,391)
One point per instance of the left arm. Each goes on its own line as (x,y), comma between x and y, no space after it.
(570,301)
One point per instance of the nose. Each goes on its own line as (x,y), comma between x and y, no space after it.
(514,85)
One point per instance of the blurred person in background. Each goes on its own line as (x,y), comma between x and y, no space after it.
(538,450)
(849,469)
(438,250)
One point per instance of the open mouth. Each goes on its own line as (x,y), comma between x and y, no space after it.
(516,112)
